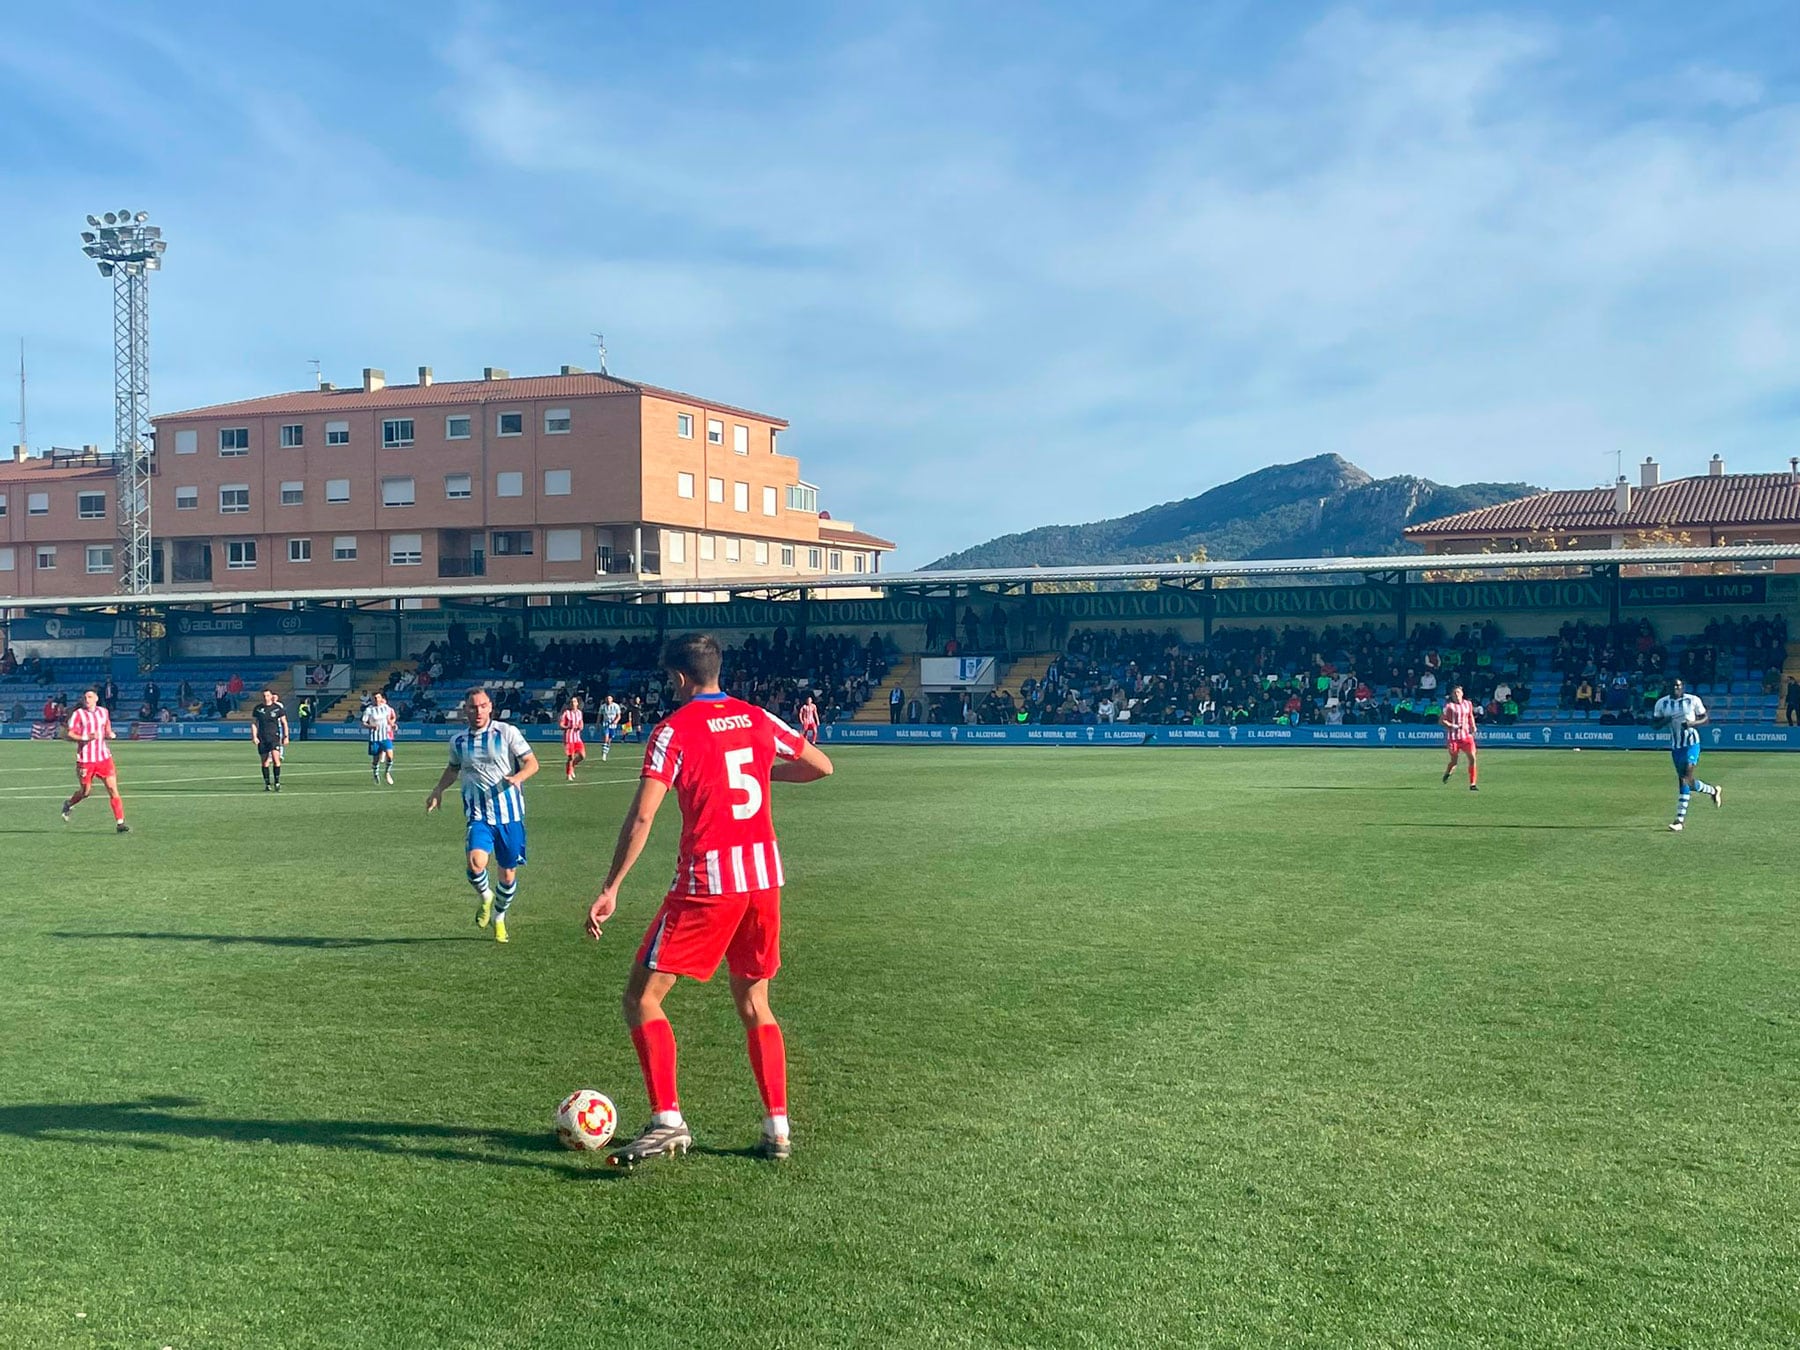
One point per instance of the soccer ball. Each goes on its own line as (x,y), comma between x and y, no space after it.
(585,1120)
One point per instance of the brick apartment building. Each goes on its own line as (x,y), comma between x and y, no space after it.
(542,478)
(1711,509)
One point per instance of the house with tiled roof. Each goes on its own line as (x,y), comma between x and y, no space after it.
(1714,508)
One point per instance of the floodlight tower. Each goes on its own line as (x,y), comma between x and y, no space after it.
(127,249)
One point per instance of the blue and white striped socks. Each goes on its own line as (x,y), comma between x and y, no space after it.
(1681,805)
(479,880)
(503,897)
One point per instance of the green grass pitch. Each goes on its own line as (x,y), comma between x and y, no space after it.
(1089,1047)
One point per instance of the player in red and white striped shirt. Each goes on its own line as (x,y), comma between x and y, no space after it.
(90,727)
(719,755)
(1459,732)
(809,720)
(571,722)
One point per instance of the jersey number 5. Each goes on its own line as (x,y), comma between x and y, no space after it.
(736,761)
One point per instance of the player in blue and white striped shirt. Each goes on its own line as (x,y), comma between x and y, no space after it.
(1683,713)
(493,760)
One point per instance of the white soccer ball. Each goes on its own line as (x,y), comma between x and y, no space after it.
(586,1120)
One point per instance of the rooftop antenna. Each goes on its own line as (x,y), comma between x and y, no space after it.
(1618,459)
(318,372)
(24,431)
(600,342)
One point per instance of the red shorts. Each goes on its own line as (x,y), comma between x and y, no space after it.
(691,934)
(572,748)
(1462,745)
(89,772)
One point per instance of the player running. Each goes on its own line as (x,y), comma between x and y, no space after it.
(493,759)
(269,729)
(90,727)
(381,720)
(1683,713)
(1458,721)
(571,723)
(611,715)
(809,720)
(719,755)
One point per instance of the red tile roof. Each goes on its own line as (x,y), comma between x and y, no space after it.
(1735,500)
(830,533)
(450,393)
(46,471)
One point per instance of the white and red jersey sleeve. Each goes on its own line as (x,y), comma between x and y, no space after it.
(90,726)
(1459,720)
(715,754)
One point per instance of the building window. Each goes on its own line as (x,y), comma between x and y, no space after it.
(510,424)
(812,559)
(715,490)
(768,501)
(677,546)
(99,558)
(9,559)
(397,492)
(715,432)
(293,494)
(337,433)
(761,552)
(740,439)
(458,487)
(740,496)
(684,426)
(187,442)
(343,548)
(396,432)
(684,485)
(709,548)
(293,436)
(37,503)
(556,422)
(337,489)
(835,561)
(2,503)
(299,550)
(234,440)
(509,485)
(734,548)
(405,550)
(234,499)
(803,497)
(772,436)
(91,506)
(562,545)
(859,562)
(240,554)
(512,543)
(787,555)
(187,499)
(46,559)
(457,428)
(556,482)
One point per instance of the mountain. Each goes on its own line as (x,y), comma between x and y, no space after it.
(1324,506)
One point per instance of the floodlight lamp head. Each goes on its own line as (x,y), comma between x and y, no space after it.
(112,218)
(141,217)
(106,269)
(125,216)
(88,236)
(93,220)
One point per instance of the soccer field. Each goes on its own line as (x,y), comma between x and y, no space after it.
(1089,1047)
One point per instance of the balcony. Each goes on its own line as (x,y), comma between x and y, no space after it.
(463,567)
(609,563)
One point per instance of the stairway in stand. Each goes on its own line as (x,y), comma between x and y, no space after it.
(905,674)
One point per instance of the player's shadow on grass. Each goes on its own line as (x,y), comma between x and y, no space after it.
(272,940)
(148,1121)
(1503,825)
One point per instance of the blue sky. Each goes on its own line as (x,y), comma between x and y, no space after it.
(1000,265)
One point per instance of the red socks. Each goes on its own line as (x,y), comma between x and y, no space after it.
(118,806)
(655,1042)
(768,1061)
